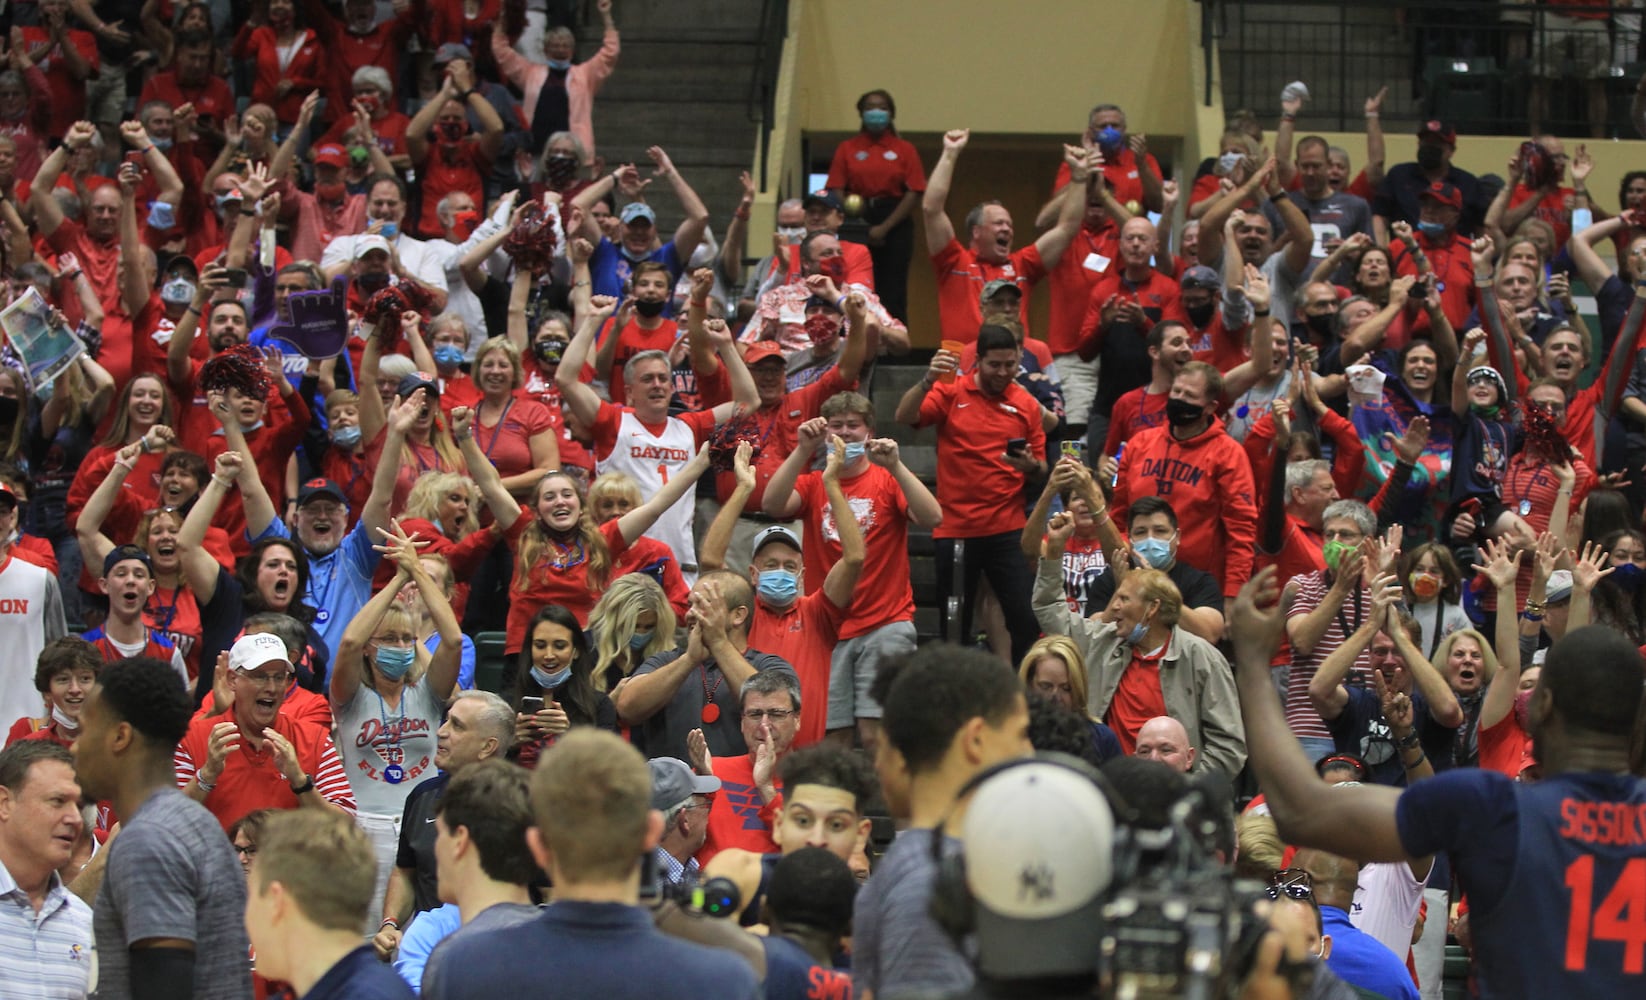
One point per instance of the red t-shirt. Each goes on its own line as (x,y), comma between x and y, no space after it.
(883,593)
(460,166)
(459,390)
(1454,280)
(876,166)
(960,280)
(508,443)
(1137,699)
(1554,207)
(390,131)
(1136,411)
(738,819)
(631,340)
(534,587)
(100,260)
(1089,258)
(981,495)
(213,100)
(68,95)
(805,636)
(1120,171)
(174,612)
(1158,295)
(303,65)
(775,428)
(250,779)
(1218,346)
(27,726)
(1506,747)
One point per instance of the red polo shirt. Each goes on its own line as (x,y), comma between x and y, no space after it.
(960,280)
(1454,279)
(1121,173)
(876,166)
(250,779)
(980,494)
(1091,256)
(1157,294)
(805,635)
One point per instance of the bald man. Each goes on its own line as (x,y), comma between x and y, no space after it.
(1358,958)
(1163,738)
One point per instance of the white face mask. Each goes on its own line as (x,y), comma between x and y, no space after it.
(792,235)
(58,716)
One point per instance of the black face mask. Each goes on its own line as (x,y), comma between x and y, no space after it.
(1431,156)
(549,352)
(1182,413)
(371,282)
(560,170)
(648,309)
(1200,315)
(1322,325)
(9,409)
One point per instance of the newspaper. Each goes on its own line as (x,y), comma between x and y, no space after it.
(46,350)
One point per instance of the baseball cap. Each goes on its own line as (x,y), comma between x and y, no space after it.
(364,245)
(998,285)
(331,155)
(824,198)
(1559,587)
(761,350)
(638,210)
(1446,194)
(774,533)
(121,553)
(252,651)
(1200,276)
(1039,838)
(412,381)
(673,783)
(452,50)
(7,494)
(320,487)
(1439,130)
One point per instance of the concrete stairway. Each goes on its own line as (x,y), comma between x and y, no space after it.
(919,451)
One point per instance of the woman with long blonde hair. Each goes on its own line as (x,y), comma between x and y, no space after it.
(631,622)
(1468,662)
(1054,669)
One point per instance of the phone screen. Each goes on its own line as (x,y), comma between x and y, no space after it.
(531,706)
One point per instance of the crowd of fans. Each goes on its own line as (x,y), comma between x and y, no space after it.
(1318,476)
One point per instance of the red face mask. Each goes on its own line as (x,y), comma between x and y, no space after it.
(331,193)
(833,267)
(464,223)
(822,328)
(369,102)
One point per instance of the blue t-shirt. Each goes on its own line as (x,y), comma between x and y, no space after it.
(606,950)
(465,668)
(339,581)
(1363,961)
(1555,873)
(359,976)
(427,930)
(1361,729)
(793,974)
(610,268)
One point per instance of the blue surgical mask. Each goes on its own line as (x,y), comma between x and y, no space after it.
(390,230)
(1137,633)
(161,215)
(161,144)
(1110,138)
(1628,576)
(345,437)
(876,119)
(177,292)
(1433,230)
(1157,552)
(640,640)
(448,356)
(394,661)
(1230,160)
(548,681)
(854,451)
(560,64)
(779,587)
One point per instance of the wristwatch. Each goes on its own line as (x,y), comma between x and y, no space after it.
(306,787)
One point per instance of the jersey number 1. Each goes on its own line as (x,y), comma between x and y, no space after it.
(1621,916)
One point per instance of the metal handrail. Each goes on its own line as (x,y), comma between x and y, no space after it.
(768,62)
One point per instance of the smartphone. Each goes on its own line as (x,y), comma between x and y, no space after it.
(1017,446)
(531,706)
(135,158)
(236,277)
(1073,449)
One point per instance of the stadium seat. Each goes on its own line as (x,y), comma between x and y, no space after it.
(490,666)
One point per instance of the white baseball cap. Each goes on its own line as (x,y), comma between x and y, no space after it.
(255,649)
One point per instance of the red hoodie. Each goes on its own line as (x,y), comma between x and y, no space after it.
(1208,481)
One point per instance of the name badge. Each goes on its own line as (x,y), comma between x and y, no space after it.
(1096,262)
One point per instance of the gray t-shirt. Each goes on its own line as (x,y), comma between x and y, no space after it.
(173,874)
(374,739)
(665,733)
(492,918)
(1336,216)
(897,948)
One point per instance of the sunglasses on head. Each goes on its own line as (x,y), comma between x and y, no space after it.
(1293,883)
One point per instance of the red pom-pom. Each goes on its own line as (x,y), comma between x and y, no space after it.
(1544,439)
(386,307)
(239,367)
(532,243)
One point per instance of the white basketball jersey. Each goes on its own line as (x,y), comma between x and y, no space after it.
(651,459)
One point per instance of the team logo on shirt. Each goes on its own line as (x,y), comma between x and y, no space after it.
(14,606)
(374,731)
(862,510)
(745,802)
(658,453)
(1167,472)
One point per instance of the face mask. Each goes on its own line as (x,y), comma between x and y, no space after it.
(1523,708)
(177,292)
(228,197)
(161,216)
(560,169)
(359,154)
(464,224)
(779,587)
(1425,585)
(1321,326)
(57,716)
(640,640)
(370,102)
(1335,552)
(1137,633)
(1485,412)
(833,267)
(854,451)
(393,662)
(548,681)
(161,144)
(649,309)
(1433,230)
(390,230)
(346,437)
(452,131)
(1157,552)
(549,352)
(1201,315)
(876,119)
(448,356)
(1228,161)
(1628,576)
(371,282)
(1182,413)
(332,193)
(792,235)
(1431,156)
(8,409)
(1110,138)
(560,64)
(822,328)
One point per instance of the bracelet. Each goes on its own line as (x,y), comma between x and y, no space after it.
(221,481)
(147,149)
(71,275)
(1371,114)
(1535,607)
(1274,199)
(389,922)
(840,303)
(1416,763)
(203,784)
(463,438)
(1408,741)
(193,309)
(1527,616)
(580,284)
(1287,117)
(306,787)
(700,303)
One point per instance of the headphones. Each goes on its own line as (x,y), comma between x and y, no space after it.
(951,902)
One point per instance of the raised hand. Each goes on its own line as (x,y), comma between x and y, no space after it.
(319,325)
(1482,252)
(285,757)
(80,134)
(462,418)
(133,134)
(1502,562)
(662,165)
(882,452)
(955,140)
(1374,103)
(822,285)
(1397,705)
(742,467)
(1582,164)
(1409,446)
(255,182)
(809,433)
(1058,532)
(702,283)
(834,459)
(1257,288)
(582,250)
(1594,563)
(225,737)
(697,753)
(405,411)
(944,364)
(1257,619)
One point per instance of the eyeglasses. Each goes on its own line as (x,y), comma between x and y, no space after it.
(1293,883)
(249,850)
(774,714)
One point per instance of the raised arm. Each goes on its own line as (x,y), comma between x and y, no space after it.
(780,499)
(373,418)
(134,291)
(637,521)
(200,568)
(88,529)
(48,215)
(1375,156)
(1501,567)
(374,516)
(844,574)
(933,204)
(944,365)
(417,131)
(345,678)
(745,397)
(1217,216)
(711,553)
(583,400)
(504,507)
(690,231)
(1055,240)
(1581,247)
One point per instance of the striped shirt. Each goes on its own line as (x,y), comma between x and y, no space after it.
(250,779)
(1312,589)
(45,955)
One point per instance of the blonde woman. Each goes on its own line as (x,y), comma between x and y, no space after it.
(517,435)
(1054,669)
(1468,662)
(632,621)
(388,696)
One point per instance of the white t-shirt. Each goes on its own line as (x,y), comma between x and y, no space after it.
(1386,904)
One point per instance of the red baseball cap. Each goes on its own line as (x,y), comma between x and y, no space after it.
(760,350)
(331,155)
(1446,194)
(1440,130)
